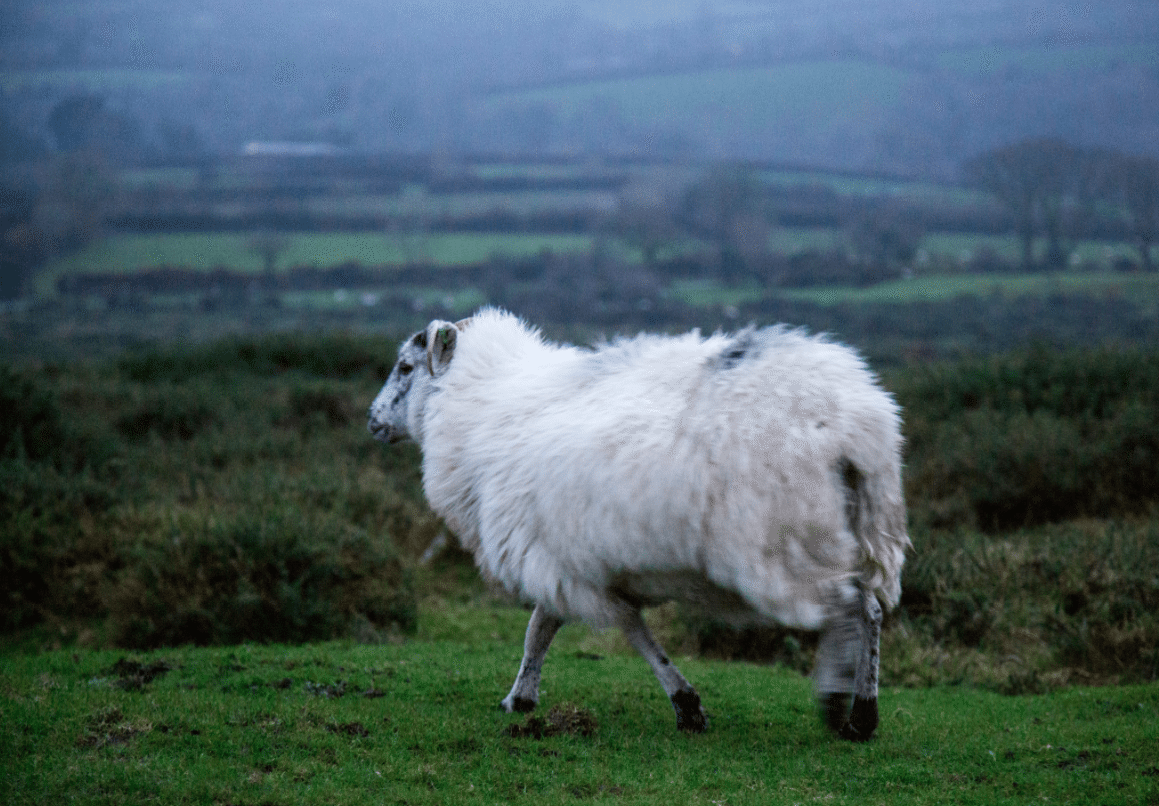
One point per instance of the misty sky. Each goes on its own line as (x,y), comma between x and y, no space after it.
(920,86)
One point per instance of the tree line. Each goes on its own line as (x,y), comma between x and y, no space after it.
(1055,191)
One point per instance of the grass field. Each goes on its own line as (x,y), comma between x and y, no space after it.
(433,206)
(418,723)
(965,246)
(828,94)
(936,288)
(128,253)
(229,493)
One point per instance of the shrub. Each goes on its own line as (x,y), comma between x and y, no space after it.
(1033,437)
(1085,593)
(171,411)
(284,577)
(332,356)
(203,433)
(51,560)
(56,477)
(36,427)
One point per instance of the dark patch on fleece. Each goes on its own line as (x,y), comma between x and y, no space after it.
(744,345)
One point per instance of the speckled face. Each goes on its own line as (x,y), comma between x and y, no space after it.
(390,412)
(397,413)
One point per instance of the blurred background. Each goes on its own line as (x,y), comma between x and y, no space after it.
(216,218)
(176,170)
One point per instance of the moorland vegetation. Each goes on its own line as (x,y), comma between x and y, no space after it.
(228,492)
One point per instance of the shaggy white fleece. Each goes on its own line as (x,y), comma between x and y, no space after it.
(756,475)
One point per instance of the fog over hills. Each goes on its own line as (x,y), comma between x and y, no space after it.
(918,87)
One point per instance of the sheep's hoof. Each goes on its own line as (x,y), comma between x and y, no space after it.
(518,705)
(835,710)
(690,717)
(862,721)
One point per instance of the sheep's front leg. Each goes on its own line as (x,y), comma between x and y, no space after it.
(690,715)
(541,629)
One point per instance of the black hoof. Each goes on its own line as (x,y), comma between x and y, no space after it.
(690,717)
(519,705)
(835,710)
(862,721)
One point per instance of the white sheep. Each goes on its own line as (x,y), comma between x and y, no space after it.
(755,476)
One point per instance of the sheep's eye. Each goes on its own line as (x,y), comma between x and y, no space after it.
(405,369)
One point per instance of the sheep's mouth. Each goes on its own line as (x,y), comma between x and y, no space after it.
(383,432)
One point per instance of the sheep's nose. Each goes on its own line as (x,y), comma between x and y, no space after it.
(380,431)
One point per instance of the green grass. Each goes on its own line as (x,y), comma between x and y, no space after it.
(944,287)
(965,246)
(895,189)
(432,206)
(791,240)
(460,301)
(131,486)
(708,293)
(418,723)
(128,253)
(929,288)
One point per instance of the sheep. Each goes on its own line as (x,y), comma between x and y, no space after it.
(753,476)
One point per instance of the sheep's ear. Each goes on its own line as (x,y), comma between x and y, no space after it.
(441,340)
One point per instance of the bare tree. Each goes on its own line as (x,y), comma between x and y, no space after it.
(79,191)
(410,228)
(1138,183)
(884,241)
(724,208)
(269,246)
(647,228)
(1038,181)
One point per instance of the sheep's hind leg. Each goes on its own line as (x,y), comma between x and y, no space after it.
(524,694)
(690,715)
(835,669)
(847,663)
(863,717)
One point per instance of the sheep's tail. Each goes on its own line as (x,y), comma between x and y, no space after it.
(875,507)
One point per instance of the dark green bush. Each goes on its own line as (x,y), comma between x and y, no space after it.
(281,578)
(330,356)
(170,411)
(35,426)
(1034,437)
(1087,592)
(31,426)
(314,405)
(93,458)
(788,647)
(1069,383)
(56,477)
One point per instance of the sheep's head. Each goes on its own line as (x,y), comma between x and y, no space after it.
(397,413)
